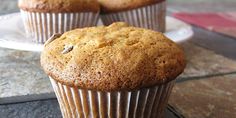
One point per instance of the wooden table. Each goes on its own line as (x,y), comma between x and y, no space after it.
(205,90)
(213,94)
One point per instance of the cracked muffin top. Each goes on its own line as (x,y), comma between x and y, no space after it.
(59,6)
(108,6)
(112,58)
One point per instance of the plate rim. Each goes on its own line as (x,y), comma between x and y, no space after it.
(36,47)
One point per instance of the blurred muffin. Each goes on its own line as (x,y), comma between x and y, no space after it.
(113,71)
(42,18)
(148,14)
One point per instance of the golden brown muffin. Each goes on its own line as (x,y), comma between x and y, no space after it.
(122,5)
(112,58)
(56,6)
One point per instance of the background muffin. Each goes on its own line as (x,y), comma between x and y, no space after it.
(42,18)
(112,71)
(140,13)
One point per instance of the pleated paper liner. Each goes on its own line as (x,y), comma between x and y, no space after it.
(81,103)
(40,26)
(150,17)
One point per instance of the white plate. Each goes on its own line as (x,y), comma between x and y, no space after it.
(12,33)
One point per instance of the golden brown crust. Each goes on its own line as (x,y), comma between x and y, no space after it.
(58,6)
(108,6)
(112,58)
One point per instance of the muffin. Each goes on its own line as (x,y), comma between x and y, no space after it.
(148,14)
(43,18)
(112,71)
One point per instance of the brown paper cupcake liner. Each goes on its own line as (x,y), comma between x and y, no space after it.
(144,103)
(40,26)
(150,17)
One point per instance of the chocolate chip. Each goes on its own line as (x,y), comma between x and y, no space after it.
(67,49)
(52,38)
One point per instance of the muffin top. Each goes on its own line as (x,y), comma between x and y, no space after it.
(109,6)
(56,6)
(112,58)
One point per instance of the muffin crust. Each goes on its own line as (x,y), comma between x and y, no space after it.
(56,6)
(109,6)
(113,58)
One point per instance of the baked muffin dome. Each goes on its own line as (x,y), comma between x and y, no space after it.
(112,58)
(59,5)
(123,5)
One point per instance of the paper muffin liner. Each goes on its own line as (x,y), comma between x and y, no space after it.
(144,103)
(40,26)
(150,17)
